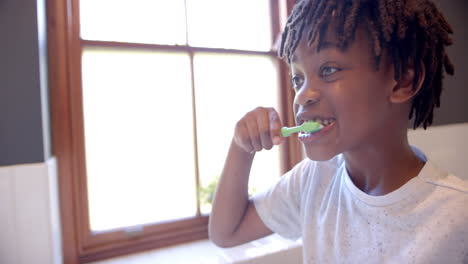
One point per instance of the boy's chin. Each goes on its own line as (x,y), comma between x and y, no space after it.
(319,155)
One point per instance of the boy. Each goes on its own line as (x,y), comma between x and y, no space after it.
(363,194)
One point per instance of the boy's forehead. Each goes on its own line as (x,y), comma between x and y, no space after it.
(304,49)
(330,41)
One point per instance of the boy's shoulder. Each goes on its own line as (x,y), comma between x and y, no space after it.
(445,183)
(448,198)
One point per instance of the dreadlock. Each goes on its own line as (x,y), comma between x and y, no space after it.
(410,30)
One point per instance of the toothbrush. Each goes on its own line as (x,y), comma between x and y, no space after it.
(305,127)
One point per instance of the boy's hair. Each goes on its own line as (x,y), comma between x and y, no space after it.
(412,31)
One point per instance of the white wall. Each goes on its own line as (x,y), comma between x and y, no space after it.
(447,146)
(29,214)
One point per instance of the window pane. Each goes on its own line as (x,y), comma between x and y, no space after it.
(227,87)
(240,24)
(138,131)
(144,21)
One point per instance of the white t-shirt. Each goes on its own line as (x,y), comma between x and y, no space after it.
(424,221)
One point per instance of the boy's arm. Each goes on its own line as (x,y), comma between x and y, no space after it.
(234,219)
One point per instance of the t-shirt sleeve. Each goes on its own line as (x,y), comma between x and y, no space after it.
(279,207)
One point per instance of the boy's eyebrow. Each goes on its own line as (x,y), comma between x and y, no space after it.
(323,46)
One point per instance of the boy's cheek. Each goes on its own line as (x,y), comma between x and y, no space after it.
(295,108)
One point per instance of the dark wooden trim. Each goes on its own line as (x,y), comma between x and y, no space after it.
(283,92)
(162,235)
(76,103)
(161,230)
(291,150)
(177,48)
(62,128)
(79,245)
(295,154)
(275,23)
(116,242)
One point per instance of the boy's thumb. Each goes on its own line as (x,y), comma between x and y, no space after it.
(275,126)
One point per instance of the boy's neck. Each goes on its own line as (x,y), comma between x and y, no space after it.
(381,168)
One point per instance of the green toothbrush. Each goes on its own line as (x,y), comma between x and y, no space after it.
(305,127)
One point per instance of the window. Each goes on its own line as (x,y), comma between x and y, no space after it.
(145,95)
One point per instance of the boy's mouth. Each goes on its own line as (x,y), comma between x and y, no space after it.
(325,122)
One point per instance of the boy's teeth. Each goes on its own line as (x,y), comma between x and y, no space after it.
(324,122)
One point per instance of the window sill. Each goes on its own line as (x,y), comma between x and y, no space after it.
(271,249)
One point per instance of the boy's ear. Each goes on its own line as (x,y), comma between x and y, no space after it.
(406,88)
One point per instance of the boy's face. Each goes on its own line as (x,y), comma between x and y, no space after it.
(343,89)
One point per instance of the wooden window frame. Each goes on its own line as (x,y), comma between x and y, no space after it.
(64,57)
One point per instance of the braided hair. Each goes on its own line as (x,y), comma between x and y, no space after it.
(410,30)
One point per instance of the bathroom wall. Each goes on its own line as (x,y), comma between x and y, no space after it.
(24,114)
(454,108)
(29,216)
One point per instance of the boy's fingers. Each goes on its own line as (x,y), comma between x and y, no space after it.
(264,129)
(249,146)
(254,135)
(259,129)
(275,126)
(243,138)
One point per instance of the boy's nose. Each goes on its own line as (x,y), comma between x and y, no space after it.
(307,96)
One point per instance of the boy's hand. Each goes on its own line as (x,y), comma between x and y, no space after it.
(258,129)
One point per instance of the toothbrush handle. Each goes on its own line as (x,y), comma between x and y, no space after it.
(287,131)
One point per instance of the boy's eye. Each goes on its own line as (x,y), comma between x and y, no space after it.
(297,81)
(327,71)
